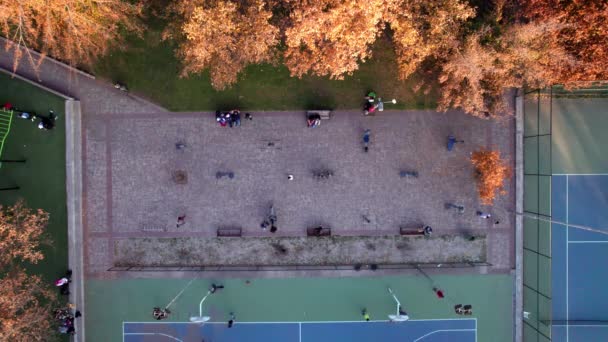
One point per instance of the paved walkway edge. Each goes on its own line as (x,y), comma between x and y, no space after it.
(27,80)
(519,219)
(73,160)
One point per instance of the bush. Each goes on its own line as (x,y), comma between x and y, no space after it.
(490,172)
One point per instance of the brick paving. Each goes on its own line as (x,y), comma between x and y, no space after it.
(129,191)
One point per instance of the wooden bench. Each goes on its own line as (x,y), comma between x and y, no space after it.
(324,114)
(229,232)
(415,231)
(318,232)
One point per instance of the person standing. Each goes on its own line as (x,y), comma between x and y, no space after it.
(365,315)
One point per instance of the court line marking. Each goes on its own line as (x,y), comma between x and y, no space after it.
(582,242)
(582,326)
(300,331)
(567,259)
(308,322)
(123,331)
(579,174)
(148,334)
(442,330)
(475,329)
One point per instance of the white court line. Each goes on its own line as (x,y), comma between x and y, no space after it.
(476,329)
(123,331)
(567,261)
(582,325)
(300,331)
(148,334)
(443,330)
(582,242)
(579,174)
(309,322)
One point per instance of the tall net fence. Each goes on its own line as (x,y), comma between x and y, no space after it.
(537,202)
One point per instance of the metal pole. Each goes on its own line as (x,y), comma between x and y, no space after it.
(11,188)
(12,160)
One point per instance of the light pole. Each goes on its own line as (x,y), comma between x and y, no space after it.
(381,103)
(200,318)
(400,316)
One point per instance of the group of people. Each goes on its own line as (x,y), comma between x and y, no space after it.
(66,319)
(44,122)
(160,314)
(231,118)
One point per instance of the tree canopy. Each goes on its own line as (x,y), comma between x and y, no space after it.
(75,31)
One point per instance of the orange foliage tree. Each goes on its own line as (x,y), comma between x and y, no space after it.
(426,29)
(25,299)
(223,36)
(75,31)
(21,234)
(475,78)
(583,34)
(331,37)
(27,304)
(491,173)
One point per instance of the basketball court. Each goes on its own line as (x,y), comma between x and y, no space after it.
(464,330)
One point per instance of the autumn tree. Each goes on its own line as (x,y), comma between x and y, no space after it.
(26,303)
(222,36)
(475,77)
(426,29)
(21,234)
(331,37)
(75,31)
(490,172)
(25,299)
(583,34)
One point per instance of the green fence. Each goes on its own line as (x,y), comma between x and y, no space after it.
(537,201)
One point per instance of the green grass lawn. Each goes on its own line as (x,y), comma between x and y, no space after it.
(149,67)
(42,178)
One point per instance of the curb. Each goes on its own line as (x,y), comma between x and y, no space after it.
(519,219)
(73,182)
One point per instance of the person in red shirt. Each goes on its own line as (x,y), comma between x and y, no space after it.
(438,292)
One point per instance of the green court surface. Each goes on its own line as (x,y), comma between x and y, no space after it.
(42,177)
(112,302)
(566,134)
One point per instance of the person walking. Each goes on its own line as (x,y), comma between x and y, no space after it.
(181,220)
(438,292)
(232,319)
(366,138)
(215,288)
(483,215)
(365,315)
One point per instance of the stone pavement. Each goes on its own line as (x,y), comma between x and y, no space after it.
(129,192)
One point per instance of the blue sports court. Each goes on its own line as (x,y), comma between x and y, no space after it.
(579,277)
(462,330)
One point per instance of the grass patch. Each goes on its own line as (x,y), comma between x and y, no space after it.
(149,67)
(42,178)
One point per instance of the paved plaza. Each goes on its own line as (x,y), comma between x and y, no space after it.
(130,160)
